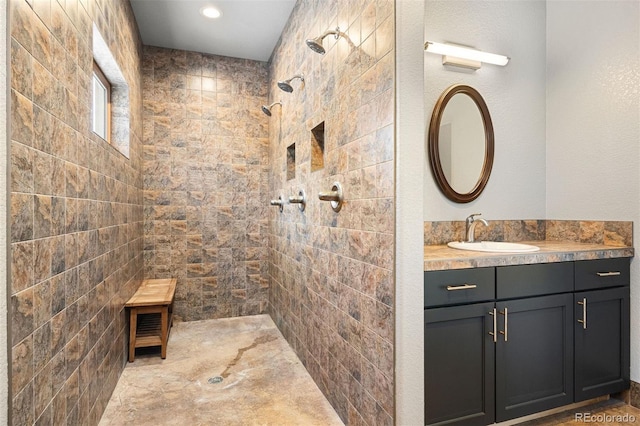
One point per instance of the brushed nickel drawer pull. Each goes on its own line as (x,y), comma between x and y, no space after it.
(608,274)
(461,287)
(583,321)
(506,326)
(495,325)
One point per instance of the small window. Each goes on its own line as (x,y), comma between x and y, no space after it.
(101,107)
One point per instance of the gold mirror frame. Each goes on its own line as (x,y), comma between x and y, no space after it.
(434,151)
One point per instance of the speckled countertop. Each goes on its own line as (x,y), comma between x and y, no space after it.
(441,257)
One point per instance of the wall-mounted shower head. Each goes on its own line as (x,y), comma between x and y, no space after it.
(315,44)
(267,108)
(286,84)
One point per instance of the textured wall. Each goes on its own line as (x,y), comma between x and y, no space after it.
(206,163)
(332,280)
(76,212)
(593,122)
(515,96)
(410,132)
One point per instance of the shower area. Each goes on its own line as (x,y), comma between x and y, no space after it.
(215,143)
(206,174)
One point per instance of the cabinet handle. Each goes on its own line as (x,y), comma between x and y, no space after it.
(461,287)
(608,274)
(495,325)
(505,333)
(583,321)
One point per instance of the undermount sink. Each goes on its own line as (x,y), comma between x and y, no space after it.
(493,246)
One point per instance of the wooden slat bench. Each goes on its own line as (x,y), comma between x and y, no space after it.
(153,297)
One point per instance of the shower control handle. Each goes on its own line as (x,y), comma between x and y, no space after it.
(279,202)
(335,196)
(329,196)
(300,199)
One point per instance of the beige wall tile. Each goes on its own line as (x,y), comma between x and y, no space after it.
(332,273)
(204,184)
(76,211)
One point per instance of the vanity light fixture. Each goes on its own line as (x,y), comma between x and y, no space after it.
(462,56)
(210,12)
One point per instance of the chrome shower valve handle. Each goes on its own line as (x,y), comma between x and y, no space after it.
(279,202)
(300,199)
(335,196)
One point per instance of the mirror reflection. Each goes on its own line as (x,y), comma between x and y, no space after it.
(461,143)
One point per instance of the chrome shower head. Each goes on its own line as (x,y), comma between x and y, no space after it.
(286,84)
(267,108)
(315,44)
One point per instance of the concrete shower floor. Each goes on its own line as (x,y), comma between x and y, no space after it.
(264,383)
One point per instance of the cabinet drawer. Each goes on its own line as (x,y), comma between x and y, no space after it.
(533,280)
(602,273)
(458,286)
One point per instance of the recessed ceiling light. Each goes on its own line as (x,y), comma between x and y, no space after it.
(210,12)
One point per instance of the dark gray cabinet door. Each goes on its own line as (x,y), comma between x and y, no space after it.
(459,365)
(534,355)
(602,344)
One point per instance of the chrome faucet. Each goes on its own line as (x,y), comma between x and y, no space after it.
(471,226)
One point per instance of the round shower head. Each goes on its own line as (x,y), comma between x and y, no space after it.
(285,85)
(267,108)
(315,44)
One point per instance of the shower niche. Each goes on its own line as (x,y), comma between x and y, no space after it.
(317,147)
(291,161)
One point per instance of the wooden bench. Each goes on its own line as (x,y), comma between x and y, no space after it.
(153,297)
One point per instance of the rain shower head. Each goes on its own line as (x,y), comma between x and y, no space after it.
(267,108)
(315,44)
(286,84)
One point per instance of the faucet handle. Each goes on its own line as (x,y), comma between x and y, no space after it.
(471,217)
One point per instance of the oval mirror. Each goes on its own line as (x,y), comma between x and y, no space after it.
(461,143)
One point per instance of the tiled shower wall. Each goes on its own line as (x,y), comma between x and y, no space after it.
(76,212)
(332,292)
(206,163)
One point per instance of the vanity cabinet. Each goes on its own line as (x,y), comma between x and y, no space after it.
(534,352)
(601,328)
(460,354)
(521,350)
(459,361)
(534,355)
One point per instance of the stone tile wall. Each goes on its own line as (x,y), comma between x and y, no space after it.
(610,233)
(331,273)
(206,163)
(76,212)
(634,397)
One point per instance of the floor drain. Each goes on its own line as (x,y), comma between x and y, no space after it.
(214,380)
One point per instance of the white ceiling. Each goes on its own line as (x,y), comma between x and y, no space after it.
(247,29)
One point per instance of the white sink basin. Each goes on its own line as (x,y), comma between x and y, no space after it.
(494,246)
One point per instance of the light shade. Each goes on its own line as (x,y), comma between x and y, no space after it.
(452,50)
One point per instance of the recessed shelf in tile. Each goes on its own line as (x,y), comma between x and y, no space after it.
(317,147)
(291,161)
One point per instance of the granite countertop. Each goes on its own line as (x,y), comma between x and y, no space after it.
(441,257)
